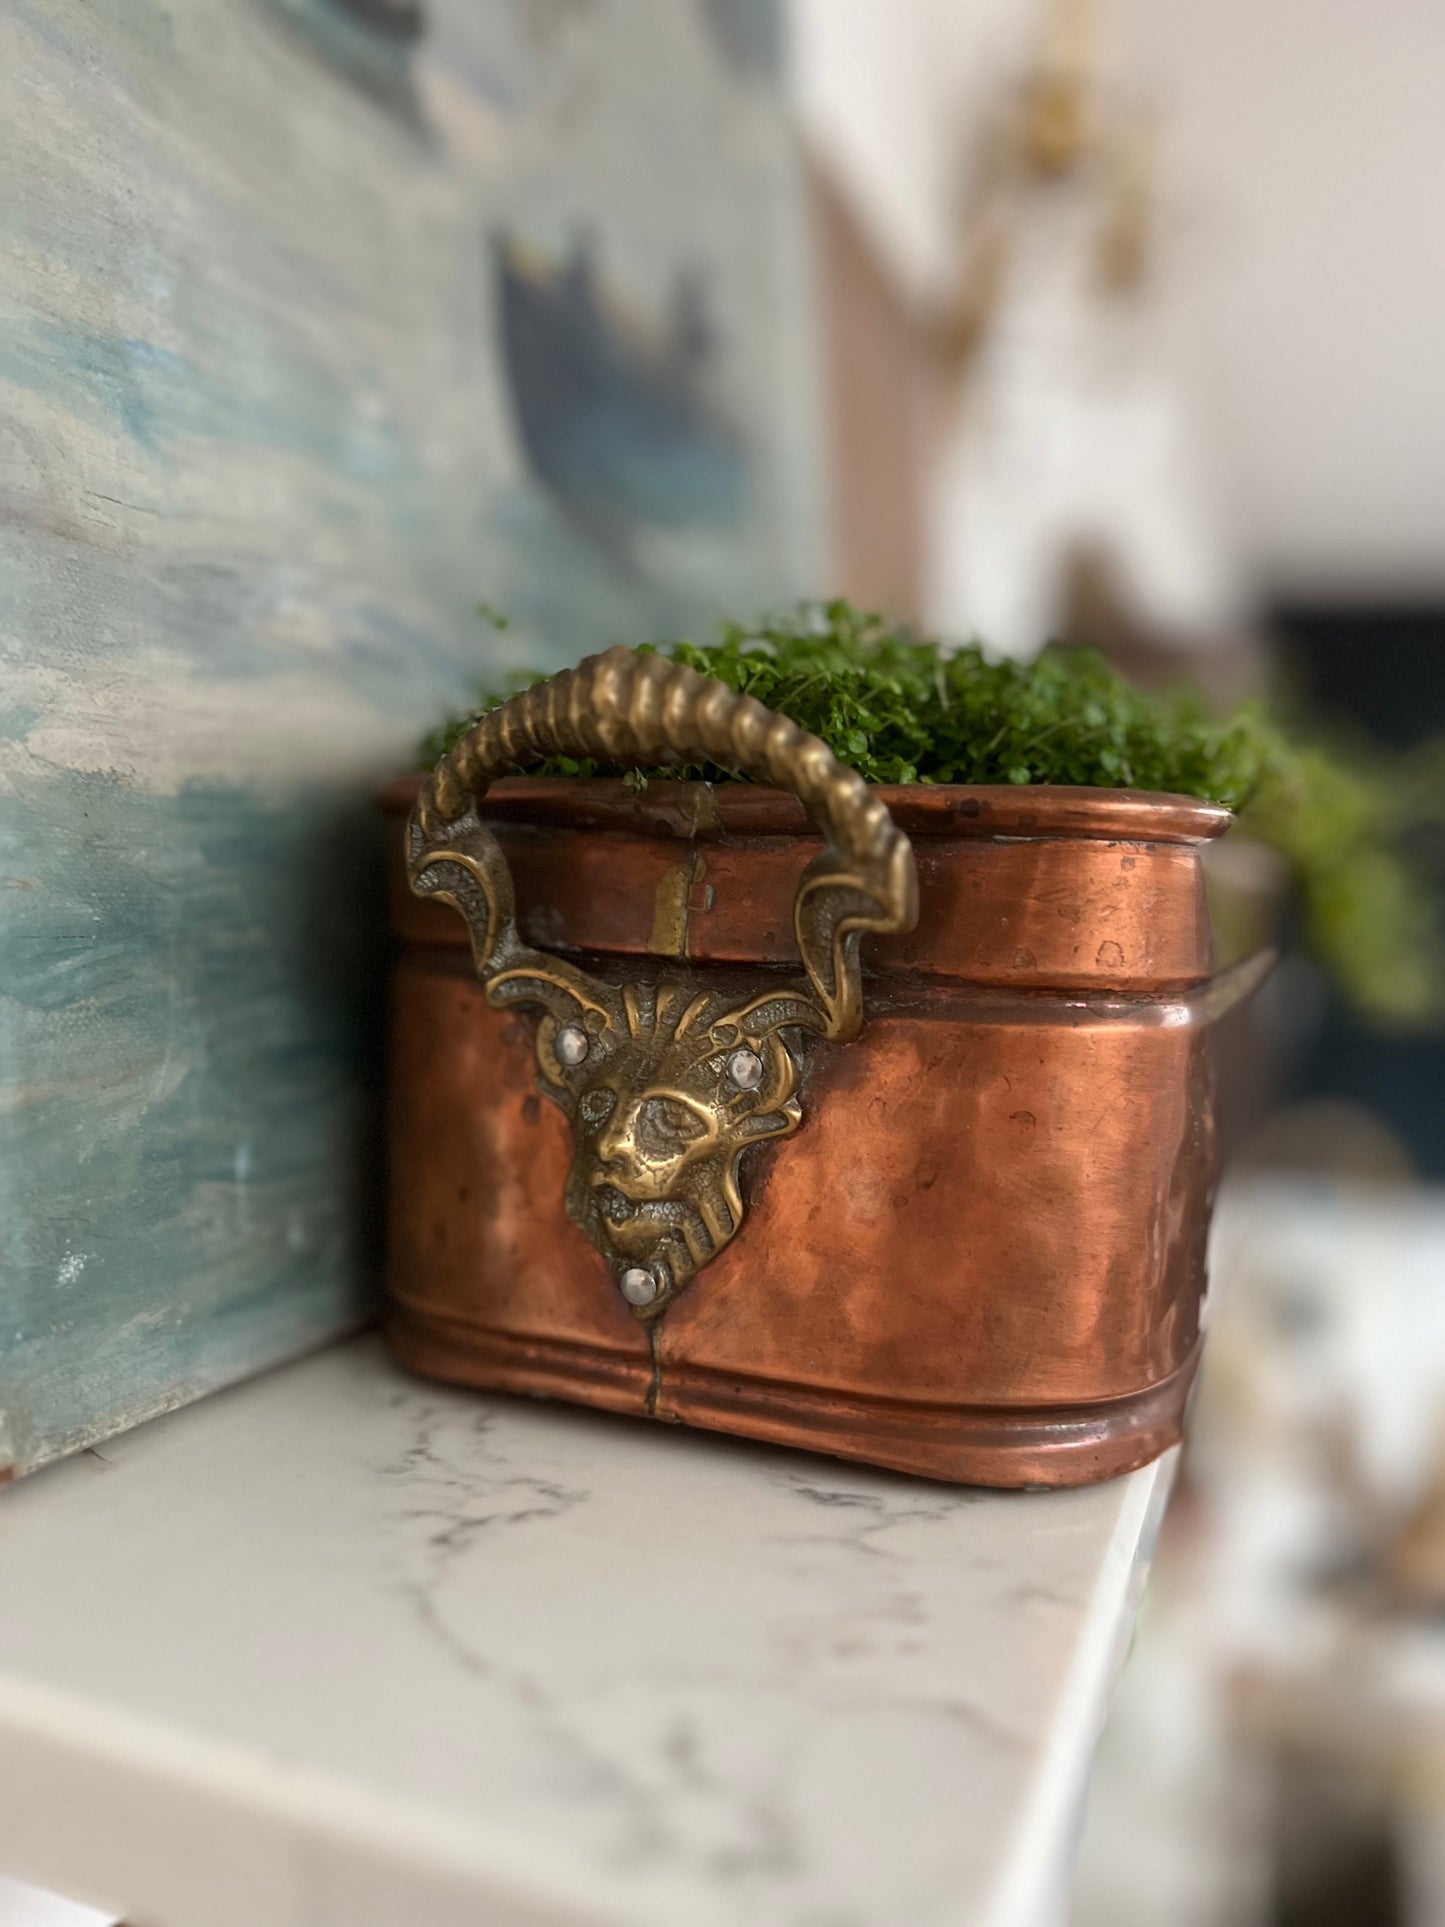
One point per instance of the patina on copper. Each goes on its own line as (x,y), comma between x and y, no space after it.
(981,1257)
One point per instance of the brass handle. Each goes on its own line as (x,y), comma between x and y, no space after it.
(665,1084)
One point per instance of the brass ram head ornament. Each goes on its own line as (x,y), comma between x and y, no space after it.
(666,1084)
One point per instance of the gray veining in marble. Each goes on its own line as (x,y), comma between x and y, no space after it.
(705,1681)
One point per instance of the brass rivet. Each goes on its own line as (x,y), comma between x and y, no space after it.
(572,1045)
(745,1068)
(637,1286)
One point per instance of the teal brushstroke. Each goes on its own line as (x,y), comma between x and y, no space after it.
(17,721)
(250,395)
(255,428)
(187,1041)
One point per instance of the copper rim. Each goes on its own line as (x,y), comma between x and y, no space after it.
(922,809)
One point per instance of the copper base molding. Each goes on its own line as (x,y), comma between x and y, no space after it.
(971,1445)
(669,1165)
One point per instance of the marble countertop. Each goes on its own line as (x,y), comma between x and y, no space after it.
(342,1649)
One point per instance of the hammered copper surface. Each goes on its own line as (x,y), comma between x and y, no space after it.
(982,1258)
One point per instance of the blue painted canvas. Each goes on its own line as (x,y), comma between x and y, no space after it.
(323,321)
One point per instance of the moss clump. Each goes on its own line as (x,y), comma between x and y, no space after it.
(900,710)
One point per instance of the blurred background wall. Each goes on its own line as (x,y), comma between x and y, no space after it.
(1301,151)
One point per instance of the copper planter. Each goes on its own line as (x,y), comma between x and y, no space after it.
(968,1243)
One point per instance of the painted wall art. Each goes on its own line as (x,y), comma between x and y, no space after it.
(323,322)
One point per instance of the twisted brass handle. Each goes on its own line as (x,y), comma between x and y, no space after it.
(625,707)
(667,1084)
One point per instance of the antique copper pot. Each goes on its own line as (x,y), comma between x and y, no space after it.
(666,1163)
